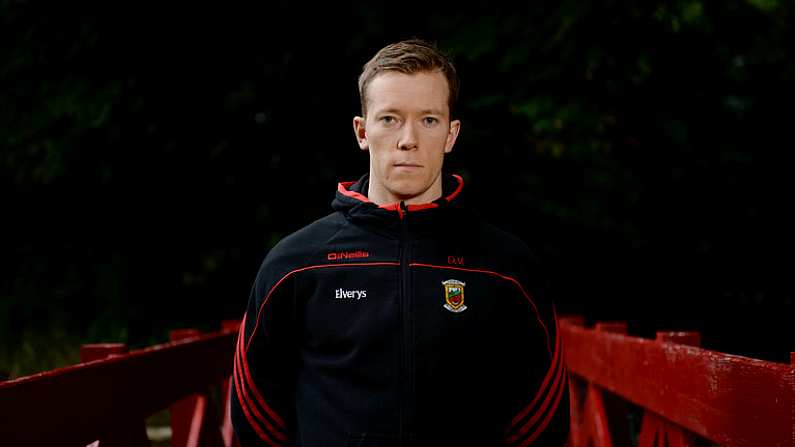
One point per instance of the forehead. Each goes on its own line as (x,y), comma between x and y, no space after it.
(408,92)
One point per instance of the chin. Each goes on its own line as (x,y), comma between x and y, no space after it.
(406,188)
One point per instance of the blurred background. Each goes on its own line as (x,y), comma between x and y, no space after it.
(151,155)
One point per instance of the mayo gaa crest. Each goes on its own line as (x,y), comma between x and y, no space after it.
(454,295)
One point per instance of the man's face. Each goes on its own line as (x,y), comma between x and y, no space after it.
(407,131)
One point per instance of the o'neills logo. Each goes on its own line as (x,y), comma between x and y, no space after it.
(333,256)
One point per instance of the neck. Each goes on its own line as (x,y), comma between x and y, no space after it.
(380,195)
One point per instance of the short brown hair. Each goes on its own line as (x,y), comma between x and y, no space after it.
(409,57)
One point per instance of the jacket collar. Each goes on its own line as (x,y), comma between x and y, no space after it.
(420,219)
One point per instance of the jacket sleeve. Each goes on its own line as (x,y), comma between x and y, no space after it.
(264,374)
(539,412)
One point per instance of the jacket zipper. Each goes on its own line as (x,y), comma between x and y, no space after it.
(407,407)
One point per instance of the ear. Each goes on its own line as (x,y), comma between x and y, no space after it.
(452,134)
(361,134)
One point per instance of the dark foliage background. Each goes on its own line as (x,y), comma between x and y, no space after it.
(151,155)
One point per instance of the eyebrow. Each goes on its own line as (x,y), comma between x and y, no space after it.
(422,112)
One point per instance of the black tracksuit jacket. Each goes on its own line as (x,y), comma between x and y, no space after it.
(400,325)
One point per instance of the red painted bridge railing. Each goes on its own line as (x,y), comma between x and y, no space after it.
(685,394)
(105,400)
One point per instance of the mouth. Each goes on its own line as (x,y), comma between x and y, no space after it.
(407,168)
(407,165)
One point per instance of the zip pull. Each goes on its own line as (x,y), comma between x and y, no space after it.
(404,208)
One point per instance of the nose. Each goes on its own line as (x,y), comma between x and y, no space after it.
(408,137)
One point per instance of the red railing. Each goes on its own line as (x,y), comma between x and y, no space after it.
(683,392)
(106,399)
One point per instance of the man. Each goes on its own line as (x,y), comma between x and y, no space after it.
(401,319)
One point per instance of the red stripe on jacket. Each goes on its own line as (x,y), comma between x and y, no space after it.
(245,401)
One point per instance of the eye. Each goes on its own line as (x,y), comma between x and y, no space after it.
(387,119)
(430,121)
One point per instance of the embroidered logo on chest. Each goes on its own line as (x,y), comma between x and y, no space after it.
(454,295)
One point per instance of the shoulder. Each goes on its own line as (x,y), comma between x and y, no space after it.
(504,245)
(294,250)
(505,252)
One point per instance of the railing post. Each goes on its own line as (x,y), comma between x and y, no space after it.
(227,431)
(654,426)
(576,386)
(127,433)
(594,417)
(204,427)
(182,411)
(194,419)
(614,425)
(792,396)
